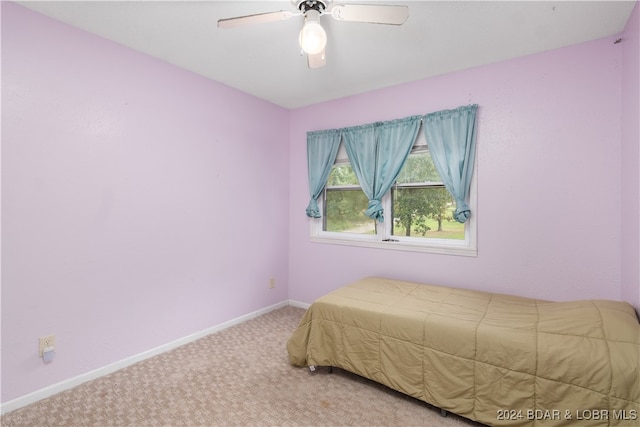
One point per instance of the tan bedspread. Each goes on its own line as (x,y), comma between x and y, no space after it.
(493,358)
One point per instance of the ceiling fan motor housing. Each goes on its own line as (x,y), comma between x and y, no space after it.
(305,5)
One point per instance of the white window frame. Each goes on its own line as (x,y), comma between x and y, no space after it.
(385,240)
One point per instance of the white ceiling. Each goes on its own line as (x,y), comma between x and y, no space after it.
(264,60)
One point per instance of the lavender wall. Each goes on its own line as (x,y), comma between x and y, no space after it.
(134,199)
(630,170)
(548,179)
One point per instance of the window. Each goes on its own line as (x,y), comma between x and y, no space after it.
(344,202)
(417,210)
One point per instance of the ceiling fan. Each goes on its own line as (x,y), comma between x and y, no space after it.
(312,37)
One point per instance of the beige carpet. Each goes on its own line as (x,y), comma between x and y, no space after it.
(237,377)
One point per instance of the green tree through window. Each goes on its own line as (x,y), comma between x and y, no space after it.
(420,205)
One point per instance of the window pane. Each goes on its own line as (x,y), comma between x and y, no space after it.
(344,212)
(342,175)
(425,212)
(418,168)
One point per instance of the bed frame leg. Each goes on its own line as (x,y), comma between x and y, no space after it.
(331,369)
(443,413)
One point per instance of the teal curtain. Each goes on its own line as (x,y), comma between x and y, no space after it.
(322,149)
(451,137)
(377,152)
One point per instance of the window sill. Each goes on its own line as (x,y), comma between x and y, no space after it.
(446,249)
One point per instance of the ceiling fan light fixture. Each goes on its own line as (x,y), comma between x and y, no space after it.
(312,38)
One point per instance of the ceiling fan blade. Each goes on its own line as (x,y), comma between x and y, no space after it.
(255,19)
(318,60)
(375,14)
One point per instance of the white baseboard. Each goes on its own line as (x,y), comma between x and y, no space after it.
(299,304)
(48,391)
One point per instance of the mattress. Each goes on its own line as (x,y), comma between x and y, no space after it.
(494,358)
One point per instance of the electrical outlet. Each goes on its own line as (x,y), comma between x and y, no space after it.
(272,283)
(48,341)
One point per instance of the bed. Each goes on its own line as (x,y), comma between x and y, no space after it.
(493,358)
